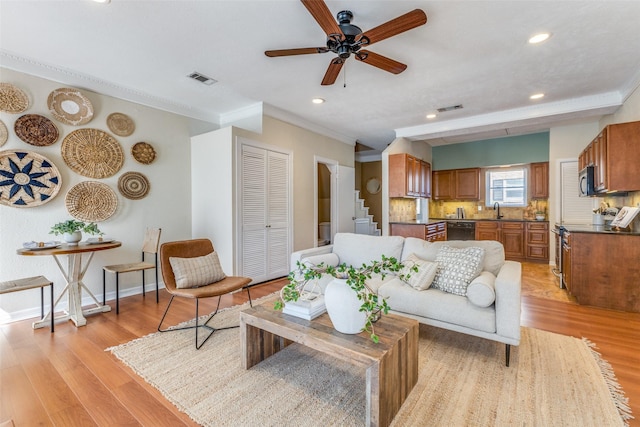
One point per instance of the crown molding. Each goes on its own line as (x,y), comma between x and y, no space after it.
(79,80)
(587,106)
(293,119)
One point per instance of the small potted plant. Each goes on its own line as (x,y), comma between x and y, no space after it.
(540,215)
(371,304)
(71,230)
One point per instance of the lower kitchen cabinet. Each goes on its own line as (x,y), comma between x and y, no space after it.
(432,232)
(601,269)
(522,240)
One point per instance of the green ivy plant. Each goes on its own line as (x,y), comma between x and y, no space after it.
(372,304)
(71,226)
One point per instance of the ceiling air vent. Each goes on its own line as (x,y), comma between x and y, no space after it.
(202,78)
(451,108)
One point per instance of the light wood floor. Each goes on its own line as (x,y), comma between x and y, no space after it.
(67,379)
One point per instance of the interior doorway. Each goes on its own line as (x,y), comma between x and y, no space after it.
(334,192)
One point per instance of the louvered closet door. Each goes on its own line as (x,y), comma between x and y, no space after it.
(265,214)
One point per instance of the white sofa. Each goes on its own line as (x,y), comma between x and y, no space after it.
(498,320)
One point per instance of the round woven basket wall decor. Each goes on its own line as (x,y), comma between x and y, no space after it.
(4,135)
(27,179)
(120,124)
(36,130)
(91,201)
(70,106)
(92,153)
(133,185)
(12,99)
(143,153)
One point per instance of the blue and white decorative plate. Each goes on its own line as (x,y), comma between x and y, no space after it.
(27,179)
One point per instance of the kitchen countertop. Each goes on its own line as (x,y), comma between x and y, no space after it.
(436,220)
(598,229)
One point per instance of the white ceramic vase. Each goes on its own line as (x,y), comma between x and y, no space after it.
(72,238)
(343,307)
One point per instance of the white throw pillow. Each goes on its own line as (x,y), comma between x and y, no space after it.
(481,291)
(424,277)
(457,268)
(197,271)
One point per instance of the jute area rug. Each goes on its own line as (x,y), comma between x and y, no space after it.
(553,380)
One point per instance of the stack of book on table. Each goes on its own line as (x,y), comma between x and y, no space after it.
(307,307)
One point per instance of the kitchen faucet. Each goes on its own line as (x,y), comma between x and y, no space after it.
(497,205)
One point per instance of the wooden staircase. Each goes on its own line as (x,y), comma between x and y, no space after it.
(364,223)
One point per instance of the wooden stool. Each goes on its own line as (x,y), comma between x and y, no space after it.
(30,283)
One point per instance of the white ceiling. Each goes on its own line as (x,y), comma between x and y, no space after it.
(473,53)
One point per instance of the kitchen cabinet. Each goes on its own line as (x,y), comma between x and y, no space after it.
(601,269)
(615,155)
(431,232)
(409,176)
(456,184)
(539,180)
(537,240)
(512,236)
(488,230)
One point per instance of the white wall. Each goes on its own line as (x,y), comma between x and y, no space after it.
(168,204)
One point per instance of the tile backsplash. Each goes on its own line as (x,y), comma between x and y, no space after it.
(402,209)
(478,210)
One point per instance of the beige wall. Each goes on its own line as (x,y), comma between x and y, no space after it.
(167,205)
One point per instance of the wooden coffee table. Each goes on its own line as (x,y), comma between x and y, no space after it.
(391,365)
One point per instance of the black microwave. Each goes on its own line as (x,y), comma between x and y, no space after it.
(586,182)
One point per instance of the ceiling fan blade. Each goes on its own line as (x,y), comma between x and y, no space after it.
(323,16)
(299,51)
(402,23)
(382,62)
(332,72)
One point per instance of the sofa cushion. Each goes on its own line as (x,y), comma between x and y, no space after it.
(422,279)
(197,271)
(457,267)
(493,255)
(357,249)
(481,291)
(436,304)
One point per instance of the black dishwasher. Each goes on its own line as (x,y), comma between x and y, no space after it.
(461,230)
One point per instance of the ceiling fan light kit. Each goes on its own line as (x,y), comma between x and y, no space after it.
(345,39)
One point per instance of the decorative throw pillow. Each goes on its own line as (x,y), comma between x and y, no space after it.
(481,291)
(424,277)
(197,271)
(457,268)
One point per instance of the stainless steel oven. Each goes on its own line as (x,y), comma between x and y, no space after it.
(461,230)
(558,231)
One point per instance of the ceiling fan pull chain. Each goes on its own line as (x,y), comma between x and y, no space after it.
(344,75)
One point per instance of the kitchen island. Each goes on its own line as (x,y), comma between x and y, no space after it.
(600,266)
(430,230)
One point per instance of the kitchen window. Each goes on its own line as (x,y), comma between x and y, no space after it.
(507,186)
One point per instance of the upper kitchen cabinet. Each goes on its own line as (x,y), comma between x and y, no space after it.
(409,176)
(539,181)
(456,184)
(616,156)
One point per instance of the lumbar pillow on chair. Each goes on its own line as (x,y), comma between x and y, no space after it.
(196,271)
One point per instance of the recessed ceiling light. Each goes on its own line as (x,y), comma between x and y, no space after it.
(431,116)
(102,1)
(539,38)
(537,96)
(317,101)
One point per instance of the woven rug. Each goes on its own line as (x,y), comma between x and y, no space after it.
(553,380)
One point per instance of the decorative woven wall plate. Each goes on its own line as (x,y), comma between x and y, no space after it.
(92,153)
(143,153)
(120,124)
(36,130)
(12,99)
(133,185)
(70,106)
(27,179)
(4,135)
(91,201)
